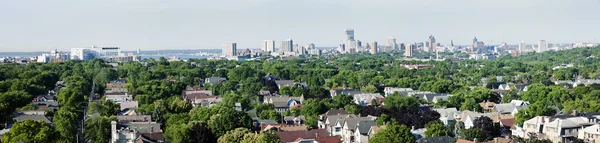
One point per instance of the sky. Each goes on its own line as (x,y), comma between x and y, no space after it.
(42,25)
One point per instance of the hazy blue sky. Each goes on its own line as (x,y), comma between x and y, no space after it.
(41,25)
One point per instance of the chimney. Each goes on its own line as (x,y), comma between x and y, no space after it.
(412,128)
(475,140)
(317,134)
(574,113)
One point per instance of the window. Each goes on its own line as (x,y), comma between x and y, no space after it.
(337,129)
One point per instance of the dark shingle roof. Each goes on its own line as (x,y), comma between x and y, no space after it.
(441,139)
(365,126)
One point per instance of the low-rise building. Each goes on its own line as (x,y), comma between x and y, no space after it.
(366,99)
(283,103)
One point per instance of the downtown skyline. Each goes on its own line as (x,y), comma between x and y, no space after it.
(163,25)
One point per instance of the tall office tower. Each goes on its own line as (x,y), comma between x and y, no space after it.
(451,43)
(401,46)
(542,46)
(342,48)
(268,45)
(430,45)
(475,40)
(286,46)
(349,40)
(373,47)
(349,35)
(522,46)
(391,44)
(409,50)
(230,49)
(310,46)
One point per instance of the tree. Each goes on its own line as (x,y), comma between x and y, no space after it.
(263,137)
(488,128)
(178,133)
(435,128)
(471,104)
(227,120)
(382,120)
(369,88)
(29,131)
(340,101)
(98,129)
(394,133)
(285,90)
(270,114)
(234,136)
(472,134)
(398,102)
(200,133)
(533,110)
(352,108)
(65,123)
(11,101)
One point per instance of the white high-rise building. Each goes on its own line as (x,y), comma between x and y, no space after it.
(286,46)
(349,41)
(268,45)
(391,44)
(230,50)
(542,46)
(522,47)
(373,47)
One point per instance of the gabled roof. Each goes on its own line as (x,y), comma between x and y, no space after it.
(510,122)
(128,105)
(353,122)
(151,137)
(335,112)
(134,118)
(375,129)
(282,101)
(290,118)
(595,129)
(364,126)
(332,139)
(21,118)
(333,119)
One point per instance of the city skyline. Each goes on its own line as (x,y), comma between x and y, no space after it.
(163,25)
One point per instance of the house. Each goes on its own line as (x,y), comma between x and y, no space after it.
(519,87)
(430,96)
(586,82)
(339,91)
(291,120)
(289,83)
(285,128)
(116,90)
(510,108)
(437,99)
(590,134)
(283,103)
(128,105)
(417,67)
(44,98)
(214,80)
(116,84)
(487,106)
(333,139)
(333,123)
(31,112)
(156,137)
(440,139)
(202,99)
(467,117)
(39,118)
(292,136)
(365,99)
(146,132)
(361,133)
(118,97)
(349,127)
(559,128)
(391,90)
(44,105)
(323,124)
(189,92)
(134,118)
(374,130)
(447,115)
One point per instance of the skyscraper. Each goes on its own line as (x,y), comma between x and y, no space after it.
(349,35)
(430,45)
(542,46)
(522,46)
(349,40)
(409,50)
(286,46)
(373,47)
(391,44)
(230,49)
(310,46)
(268,45)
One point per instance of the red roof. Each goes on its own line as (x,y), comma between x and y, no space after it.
(293,135)
(331,139)
(295,106)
